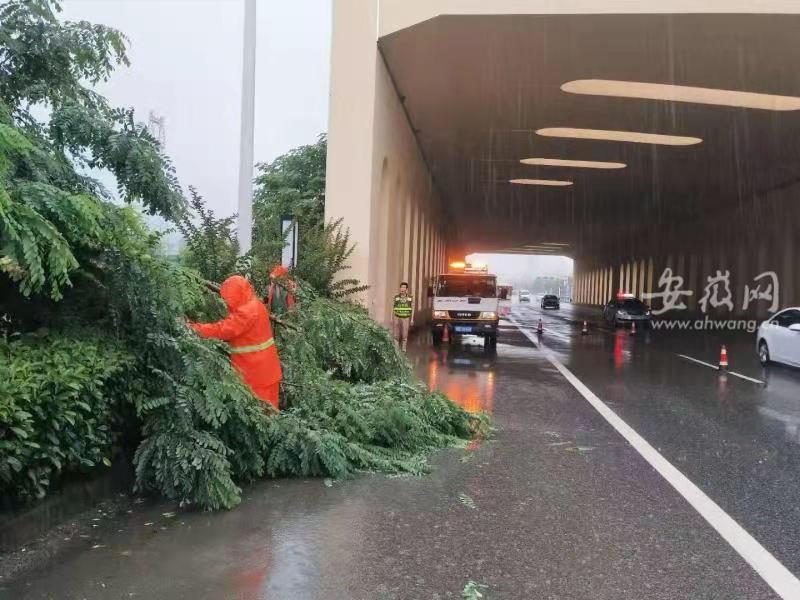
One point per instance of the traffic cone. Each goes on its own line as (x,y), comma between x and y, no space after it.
(723,359)
(633,327)
(585,330)
(540,327)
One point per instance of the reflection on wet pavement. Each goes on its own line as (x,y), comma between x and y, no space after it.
(465,372)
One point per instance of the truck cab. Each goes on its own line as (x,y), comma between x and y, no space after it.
(466,301)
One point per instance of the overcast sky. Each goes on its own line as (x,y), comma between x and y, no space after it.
(512,268)
(186,64)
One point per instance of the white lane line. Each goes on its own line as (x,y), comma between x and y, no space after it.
(546,331)
(699,362)
(747,378)
(716,368)
(778,577)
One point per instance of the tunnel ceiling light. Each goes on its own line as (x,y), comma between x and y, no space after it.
(580,164)
(619,136)
(551,182)
(681,93)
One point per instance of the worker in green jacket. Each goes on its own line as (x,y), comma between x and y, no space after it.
(402,316)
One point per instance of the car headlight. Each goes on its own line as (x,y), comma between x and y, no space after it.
(440,314)
(622,313)
(488,315)
(647,313)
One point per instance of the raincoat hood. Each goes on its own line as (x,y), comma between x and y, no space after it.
(236,291)
(279,271)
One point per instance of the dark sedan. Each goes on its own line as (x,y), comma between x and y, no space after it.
(550,301)
(626,310)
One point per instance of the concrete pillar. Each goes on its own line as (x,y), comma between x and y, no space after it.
(349,179)
(428,263)
(379,242)
(414,255)
(763,265)
(788,289)
(420,262)
(583,288)
(588,287)
(628,277)
(589,299)
(642,277)
(707,270)
(406,225)
(692,281)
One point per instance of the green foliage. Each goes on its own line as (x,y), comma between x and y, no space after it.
(203,430)
(342,339)
(203,433)
(211,247)
(46,61)
(352,402)
(55,414)
(71,258)
(325,252)
(473,590)
(111,139)
(293,185)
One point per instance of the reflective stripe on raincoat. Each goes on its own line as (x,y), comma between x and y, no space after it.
(248,331)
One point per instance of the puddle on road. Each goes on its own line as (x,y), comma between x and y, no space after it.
(464,372)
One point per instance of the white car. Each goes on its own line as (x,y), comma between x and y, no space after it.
(524,296)
(778,338)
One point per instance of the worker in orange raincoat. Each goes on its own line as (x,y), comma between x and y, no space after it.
(248,331)
(281,289)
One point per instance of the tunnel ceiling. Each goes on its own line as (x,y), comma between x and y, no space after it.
(476,88)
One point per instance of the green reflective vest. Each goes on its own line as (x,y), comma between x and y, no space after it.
(402,306)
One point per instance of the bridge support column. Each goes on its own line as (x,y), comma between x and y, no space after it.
(378,182)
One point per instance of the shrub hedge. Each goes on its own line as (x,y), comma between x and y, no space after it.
(55,413)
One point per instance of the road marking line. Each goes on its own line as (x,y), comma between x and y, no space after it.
(699,362)
(747,378)
(716,368)
(548,331)
(778,577)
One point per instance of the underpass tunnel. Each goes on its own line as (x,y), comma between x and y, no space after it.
(656,149)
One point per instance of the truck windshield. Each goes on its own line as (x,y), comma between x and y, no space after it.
(466,285)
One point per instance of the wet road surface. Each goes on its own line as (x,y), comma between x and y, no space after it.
(557,505)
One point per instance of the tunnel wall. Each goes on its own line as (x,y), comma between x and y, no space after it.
(757,236)
(377,180)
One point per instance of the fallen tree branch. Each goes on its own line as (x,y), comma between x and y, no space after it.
(214,287)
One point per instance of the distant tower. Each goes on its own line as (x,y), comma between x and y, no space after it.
(157,127)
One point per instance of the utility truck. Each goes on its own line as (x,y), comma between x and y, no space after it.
(466,301)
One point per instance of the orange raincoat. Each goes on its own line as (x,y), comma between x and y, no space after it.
(248,331)
(277,273)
